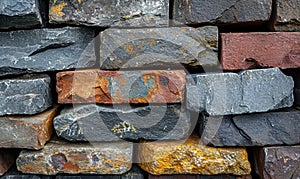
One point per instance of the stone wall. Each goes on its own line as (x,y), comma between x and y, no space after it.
(150,89)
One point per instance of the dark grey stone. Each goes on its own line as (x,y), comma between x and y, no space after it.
(13,173)
(29,94)
(43,50)
(111,123)
(131,48)
(249,91)
(216,11)
(287,15)
(138,13)
(297,96)
(19,14)
(261,129)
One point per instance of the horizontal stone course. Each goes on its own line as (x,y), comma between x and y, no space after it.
(287,15)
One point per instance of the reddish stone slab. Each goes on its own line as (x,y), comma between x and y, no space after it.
(260,49)
(7,159)
(110,87)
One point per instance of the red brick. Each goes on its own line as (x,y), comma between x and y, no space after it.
(261,49)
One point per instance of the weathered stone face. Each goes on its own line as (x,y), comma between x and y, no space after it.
(111,123)
(7,159)
(138,13)
(249,91)
(191,157)
(219,12)
(74,158)
(162,47)
(65,48)
(30,132)
(96,86)
(28,94)
(278,162)
(287,17)
(261,129)
(19,14)
(260,50)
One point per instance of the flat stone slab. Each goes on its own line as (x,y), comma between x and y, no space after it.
(159,47)
(65,48)
(261,129)
(249,91)
(278,162)
(139,13)
(111,87)
(19,14)
(198,177)
(191,157)
(7,159)
(74,158)
(221,12)
(28,94)
(287,15)
(111,123)
(260,50)
(30,132)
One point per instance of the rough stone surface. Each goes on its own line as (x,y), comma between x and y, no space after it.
(191,157)
(46,50)
(219,12)
(198,177)
(249,91)
(28,94)
(109,123)
(278,162)
(139,13)
(74,158)
(90,86)
(7,159)
(260,49)
(287,17)
(30,132)
(131,48)
(261,129)
(19,14)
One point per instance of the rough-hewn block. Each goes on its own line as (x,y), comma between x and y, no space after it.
(90,86)
(19,14)
(219,12)
(261,129)
(139,13)
(198,177)
(191,157)
(41,50)
(288,15)
(278,162)
(236,93)
(28,94)
(109,123)
(260,49)
(30,132)
(74,158)
(130,48)
(7,159)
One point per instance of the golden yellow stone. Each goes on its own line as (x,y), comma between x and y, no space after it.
(192,157)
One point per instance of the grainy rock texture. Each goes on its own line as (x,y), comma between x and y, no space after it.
(7,159)
(30,132)
(278,162)
(90,86)
(288,15)
(162,47)
(19,14)
(191,157)
(198,177)
(139,13)
(260,49)
(219,12)
(249,91)
(74,158)
(261,129)
(109,123)
(28,94)
(42,50)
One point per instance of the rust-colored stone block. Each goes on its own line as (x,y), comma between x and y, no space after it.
(260,49)
(30,132)
(97,86)
(7,159)
(192,157)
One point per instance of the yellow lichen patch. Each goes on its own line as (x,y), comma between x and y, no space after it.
(56,10)
(79,1)
(123,127)
(129,48)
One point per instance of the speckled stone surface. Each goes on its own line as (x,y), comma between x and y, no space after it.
(110,87)
(74,158)
(138,13)
(287,15)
